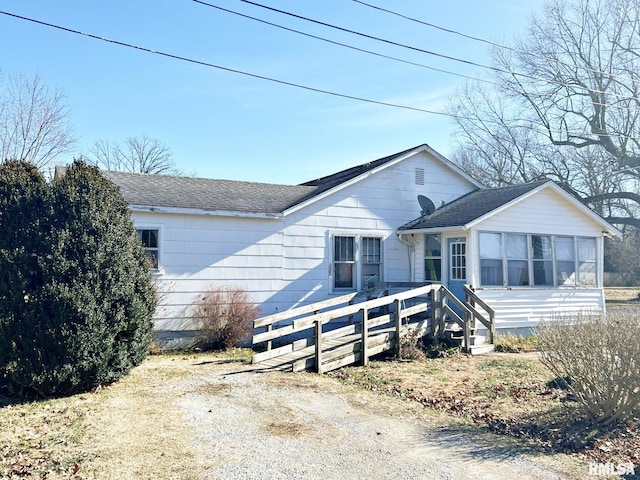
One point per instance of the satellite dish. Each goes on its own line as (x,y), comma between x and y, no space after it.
(426,204)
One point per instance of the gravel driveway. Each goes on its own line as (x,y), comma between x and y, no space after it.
(252,424)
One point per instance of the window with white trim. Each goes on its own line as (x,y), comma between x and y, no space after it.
(542,260)
(356,261)
(587,261)
(517,260)
(491,271)
(537,260)
(149,239)
(371,260)
(433,258)
(344,262)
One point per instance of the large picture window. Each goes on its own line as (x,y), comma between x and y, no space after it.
(356,257)
(537,260)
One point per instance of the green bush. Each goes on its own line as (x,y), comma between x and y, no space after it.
(76,298)
(598,357)
(225,316)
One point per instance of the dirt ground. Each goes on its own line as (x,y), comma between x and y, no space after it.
(254,425)
(215,416)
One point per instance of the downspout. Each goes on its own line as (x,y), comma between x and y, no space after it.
(410,253)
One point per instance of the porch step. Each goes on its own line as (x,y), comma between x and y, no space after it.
(481,349)
(478,344)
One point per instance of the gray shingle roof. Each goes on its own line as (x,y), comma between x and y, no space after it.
(330,181)
(229,195)
(207,194)
(471,206)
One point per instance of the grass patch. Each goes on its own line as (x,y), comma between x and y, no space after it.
(127,430)
(511,343)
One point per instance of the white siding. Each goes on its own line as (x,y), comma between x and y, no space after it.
(545,212)
(286,262)
(524,308)
(201,252)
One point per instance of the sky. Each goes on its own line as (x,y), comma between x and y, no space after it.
(227,125)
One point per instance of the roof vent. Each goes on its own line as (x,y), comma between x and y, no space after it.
(419,176)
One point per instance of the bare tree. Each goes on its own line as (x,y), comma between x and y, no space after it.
(565,106)
(34,121)
(137,155)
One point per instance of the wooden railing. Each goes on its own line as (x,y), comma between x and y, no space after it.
(490,323)
(352,328)
(465,314)
(308,337)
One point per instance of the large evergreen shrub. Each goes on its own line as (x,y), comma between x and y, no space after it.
(76,298)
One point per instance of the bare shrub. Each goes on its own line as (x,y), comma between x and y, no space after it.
(600,355)
(412,346)
(226,316)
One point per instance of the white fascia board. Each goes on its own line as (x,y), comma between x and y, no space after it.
(354,180)
(199,211)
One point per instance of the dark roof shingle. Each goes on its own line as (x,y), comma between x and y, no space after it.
(330,181)
(207,194)
(471,206)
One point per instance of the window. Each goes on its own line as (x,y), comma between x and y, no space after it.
(149,239)
(432,258)
(587,261)
(565,261)
(517,260)
(371,260)
(542,260)
(344,262)
(537,260)
(458,260)
(355,257)
(491,259)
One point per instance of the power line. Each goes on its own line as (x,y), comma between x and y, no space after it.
(373,37)
(428,52)
(220,67)
(260,77)
(482,40)
(324,39)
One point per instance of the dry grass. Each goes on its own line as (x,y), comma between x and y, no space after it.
(128,430)
(507,393)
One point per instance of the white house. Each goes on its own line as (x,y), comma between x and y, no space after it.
(529,250)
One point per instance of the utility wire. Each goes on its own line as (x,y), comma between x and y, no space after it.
(260,77)
(483,40)
(324,39)
(220,67)
(372,37)
(428,52)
